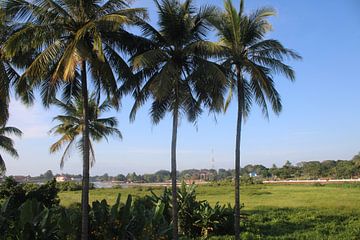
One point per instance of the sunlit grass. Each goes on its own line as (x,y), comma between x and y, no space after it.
(253,196)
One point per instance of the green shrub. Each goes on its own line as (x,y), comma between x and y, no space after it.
(45,194)
(37,215)
(71,186)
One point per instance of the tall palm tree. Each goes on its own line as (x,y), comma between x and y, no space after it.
(68,40)
(7,144)
(178,75)
(251,61)
(72,124)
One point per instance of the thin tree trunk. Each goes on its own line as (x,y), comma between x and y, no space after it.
(237,158)
(173,175)
(86,158)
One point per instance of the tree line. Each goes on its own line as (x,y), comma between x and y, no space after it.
(82,57)
(329,169)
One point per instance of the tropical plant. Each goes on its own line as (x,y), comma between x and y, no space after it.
(188,207)
(72,124)
(178,75)
(251,62)
(7,144)
(68,39)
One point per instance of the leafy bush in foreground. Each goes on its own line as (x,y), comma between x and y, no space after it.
(46,194)
(33,212)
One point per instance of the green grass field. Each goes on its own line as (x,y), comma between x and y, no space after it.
(340,197)
(312,212)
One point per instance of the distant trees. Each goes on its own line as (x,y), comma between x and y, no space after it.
(48,175)
(340,169)
(120,177)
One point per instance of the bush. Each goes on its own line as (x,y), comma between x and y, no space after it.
(36,214)
(71,186)
(198,218)
(45,194)
(68,186)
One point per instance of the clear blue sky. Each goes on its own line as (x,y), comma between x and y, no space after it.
(320,119)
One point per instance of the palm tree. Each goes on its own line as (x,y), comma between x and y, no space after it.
(7,144)
(178,75)
(72,124)
(251,62)
(68,40)
(8,75)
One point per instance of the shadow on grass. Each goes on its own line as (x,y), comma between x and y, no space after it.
(299,223)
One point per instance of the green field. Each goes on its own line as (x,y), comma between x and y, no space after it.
(341,197)
(274,211)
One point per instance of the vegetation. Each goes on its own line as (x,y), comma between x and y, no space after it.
(328,169)
(7,73)
(70,48)
(7,144)
(250,174)
(251,62)
(72,124)
(273,211)
(68,39)
(179,76)
(71,186)
(36,214)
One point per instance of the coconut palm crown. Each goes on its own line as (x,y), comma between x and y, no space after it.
(251,62)
(66,36)
(72,124)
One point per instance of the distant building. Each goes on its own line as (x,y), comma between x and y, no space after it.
(253,174)
(61,178)
(21,178)
(206,175)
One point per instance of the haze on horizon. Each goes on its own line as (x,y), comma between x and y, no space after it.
(319,121)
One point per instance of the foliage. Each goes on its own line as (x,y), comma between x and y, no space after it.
(340,169)
(251,61)
(71,186)
(273,212)
(46,194)
(37,215)
(71,125)
(66,40)
(198,218)
(176,71)
(6,143)
(188,207)
(8,74)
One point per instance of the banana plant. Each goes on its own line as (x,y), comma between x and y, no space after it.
(206,221)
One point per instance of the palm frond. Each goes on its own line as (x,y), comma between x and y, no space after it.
(66,154)
(2,166)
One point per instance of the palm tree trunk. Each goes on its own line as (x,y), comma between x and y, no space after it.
(173,175)
(86,158)
(237,158)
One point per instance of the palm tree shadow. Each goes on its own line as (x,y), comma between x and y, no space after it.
(281,222)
